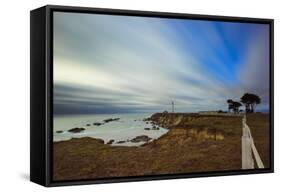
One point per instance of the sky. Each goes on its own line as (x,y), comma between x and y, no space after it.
(120,64)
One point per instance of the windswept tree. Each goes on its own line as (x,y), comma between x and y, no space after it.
(250,101)
(229,102)
(233,105)
(236,106)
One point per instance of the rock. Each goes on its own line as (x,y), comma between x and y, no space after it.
(76,130)
(111,119)
(97,124)
(88,125)
(59,131)
(119,142)
(147,119)
(141,138)
(110,141)
(147,128)
(155,128)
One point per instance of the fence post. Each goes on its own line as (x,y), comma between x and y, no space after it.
(247,159)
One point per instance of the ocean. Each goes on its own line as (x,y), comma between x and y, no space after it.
(126,128)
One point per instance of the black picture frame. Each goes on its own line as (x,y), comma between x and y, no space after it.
(41,109)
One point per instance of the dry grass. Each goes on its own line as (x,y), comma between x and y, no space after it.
(195,144)
(260,129)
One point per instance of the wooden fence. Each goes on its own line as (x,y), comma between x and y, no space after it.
(249,150)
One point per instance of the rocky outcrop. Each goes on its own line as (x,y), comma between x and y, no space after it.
(105,121)
(111,141)
(97,124)
(111,119)
(76,130)
(59,131)
(141,138)
(120,142)
(168,120)
(155,127)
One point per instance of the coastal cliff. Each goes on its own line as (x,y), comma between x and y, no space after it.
(194,143)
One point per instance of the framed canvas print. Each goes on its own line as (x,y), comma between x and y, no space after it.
(120,95)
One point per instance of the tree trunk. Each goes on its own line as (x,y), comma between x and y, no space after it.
(253,107)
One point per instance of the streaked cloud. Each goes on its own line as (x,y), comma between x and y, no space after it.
(111,64)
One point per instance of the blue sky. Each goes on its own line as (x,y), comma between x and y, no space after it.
(114,64)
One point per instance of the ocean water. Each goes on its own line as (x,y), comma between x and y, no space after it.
(126,128)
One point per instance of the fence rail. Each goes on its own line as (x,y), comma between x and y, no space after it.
(249,149)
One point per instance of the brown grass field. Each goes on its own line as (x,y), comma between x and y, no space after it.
(194,143)
(260,128)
